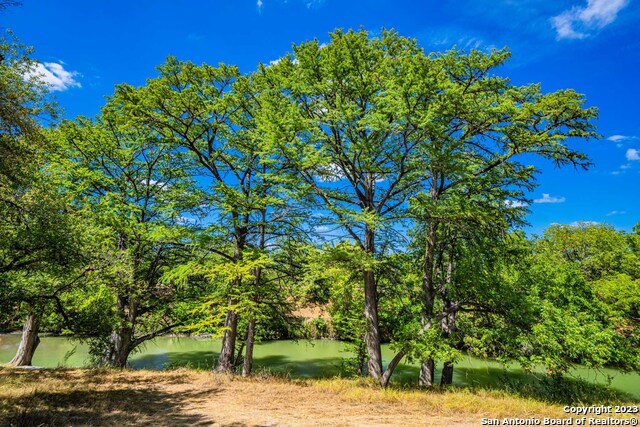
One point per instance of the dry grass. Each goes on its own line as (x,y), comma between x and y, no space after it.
(185,397)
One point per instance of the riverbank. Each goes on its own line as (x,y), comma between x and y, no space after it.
(186,397)
(327,359)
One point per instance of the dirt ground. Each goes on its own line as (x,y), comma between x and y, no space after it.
(190,398)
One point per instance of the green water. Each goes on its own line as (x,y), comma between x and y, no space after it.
(301,359)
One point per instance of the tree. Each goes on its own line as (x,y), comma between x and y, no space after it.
(24,105)
(603,264)
(383,120)
(476,127)
(209,114)
(34,220)
(43,248)
(340,115)
(136,190)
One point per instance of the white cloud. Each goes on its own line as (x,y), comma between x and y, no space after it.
(546,198)
(277,61)
(633,154)
(577,22)
(259,4)
(620,139)
(55,76)
(616,138)
(583,223)
(515,204)
(616,213)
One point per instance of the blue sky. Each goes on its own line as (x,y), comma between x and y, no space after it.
(592,46)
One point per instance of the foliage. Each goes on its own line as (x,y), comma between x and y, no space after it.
(366,176)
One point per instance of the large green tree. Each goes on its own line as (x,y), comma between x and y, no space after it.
(209,113)
(341,115)
(478,128)
(24,106)
(35,225)
(370,121)
(136,191)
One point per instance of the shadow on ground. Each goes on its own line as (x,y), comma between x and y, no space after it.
(513,380)
(80,402)
(518,382)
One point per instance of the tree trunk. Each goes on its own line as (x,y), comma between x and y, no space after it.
(428,297)
(226,358)
(447,374)
(29,341)
(120,346)
(448,322)
(372,334)
(448,326)
(122,339)
(427,370)
(251,328)
(386,376)
(248,354)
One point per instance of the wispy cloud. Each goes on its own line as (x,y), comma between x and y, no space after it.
(583,223)
(446,38)
(547,198)
(515,204)
(53,75)
(616,213)
(618,138)
(633,154)
(580,22)
(621,139)
(259,4)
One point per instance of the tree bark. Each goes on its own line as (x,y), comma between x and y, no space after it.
(448,326)
(226,358)
(386,376)
(120,346)
(427,370)
(248,354)
(372,334)
(447,374)
(121,341)
(29,341)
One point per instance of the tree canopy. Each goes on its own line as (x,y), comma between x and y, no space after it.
(381,183)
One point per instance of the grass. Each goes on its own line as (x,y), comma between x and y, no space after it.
(196,398)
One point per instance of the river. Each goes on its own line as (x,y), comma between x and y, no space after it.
(300,359)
